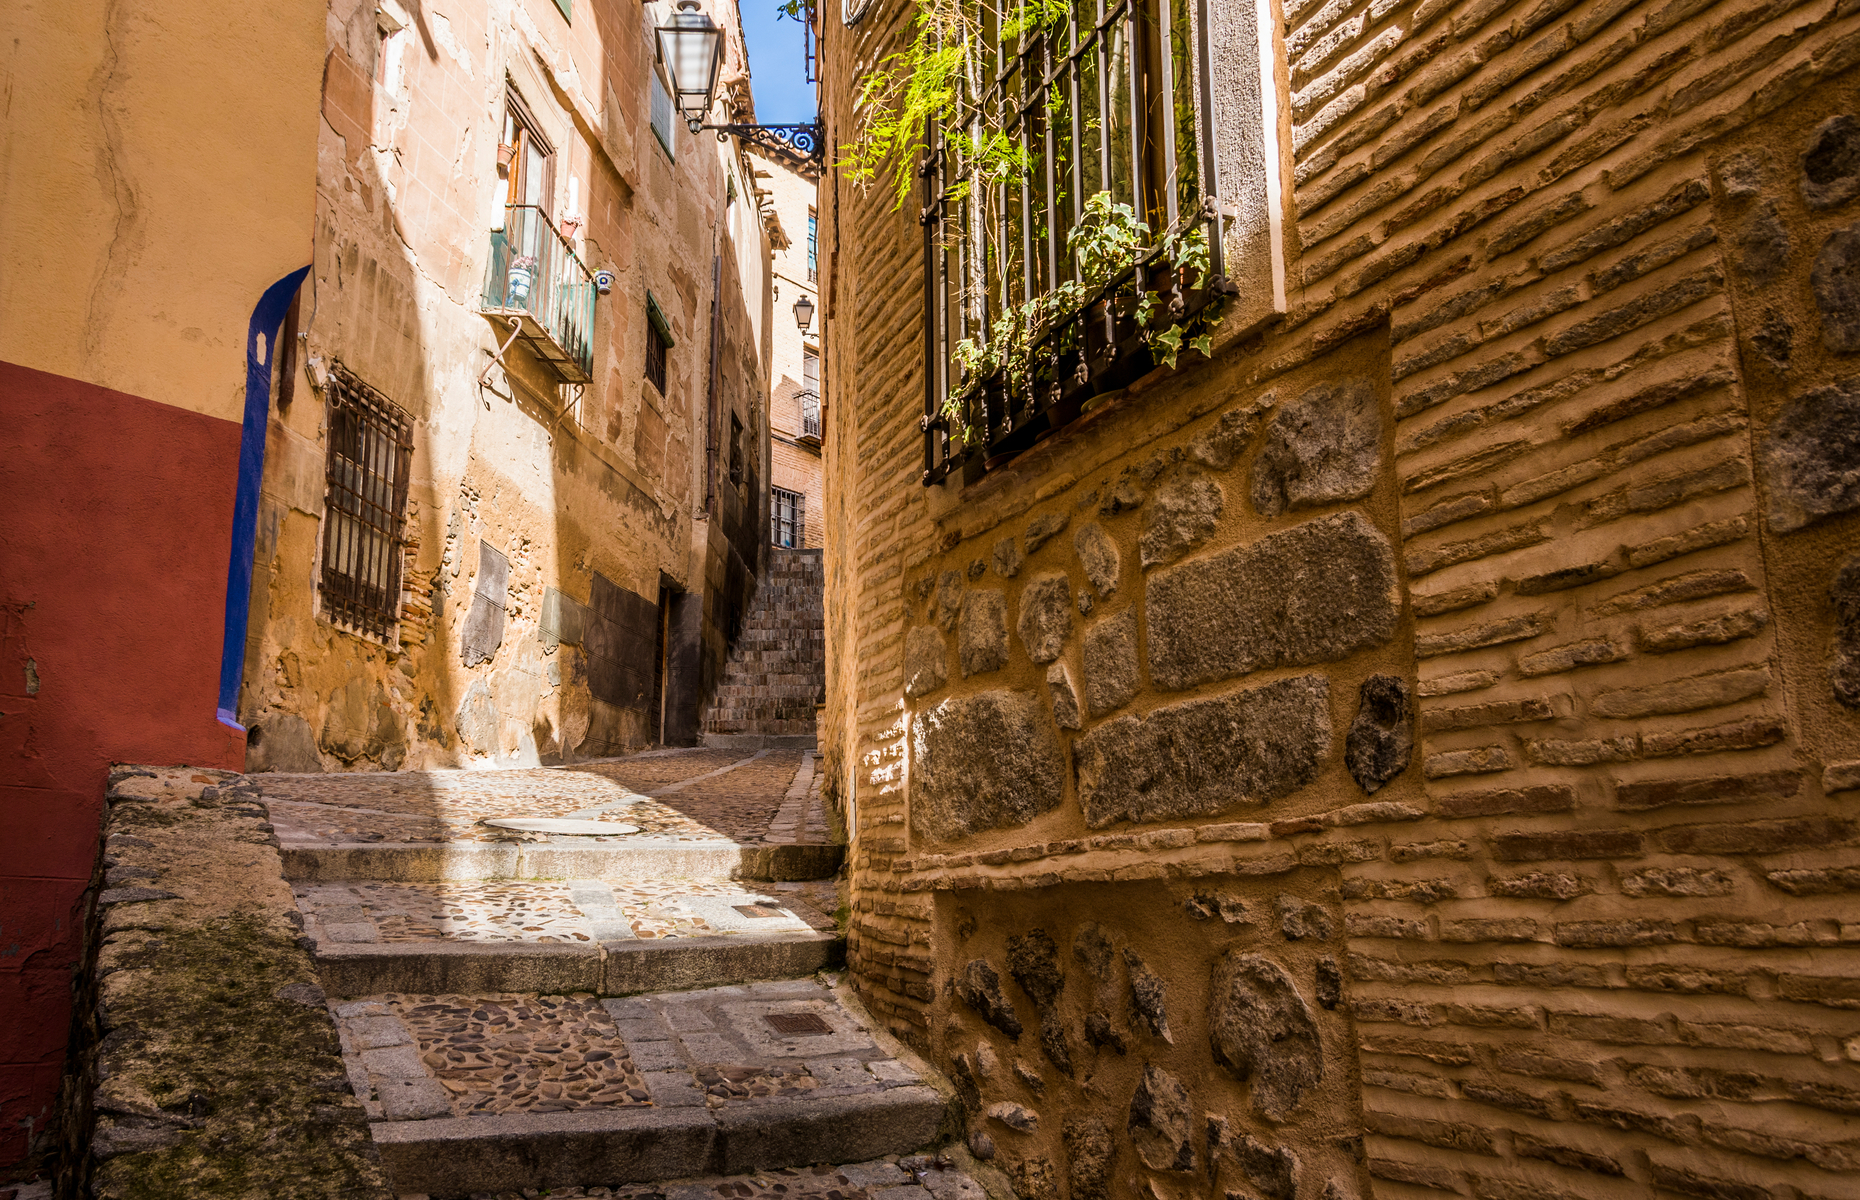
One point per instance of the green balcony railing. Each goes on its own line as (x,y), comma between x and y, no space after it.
(535,278)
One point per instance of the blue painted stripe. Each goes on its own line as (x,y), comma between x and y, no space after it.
(267,318)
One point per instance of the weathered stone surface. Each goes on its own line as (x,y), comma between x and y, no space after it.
(1182,515)
(1831,163)
(1085,602)
(948,600)
(1160,1124)
(1228,907)
(981,762)
(1262,1031)
(1111,668)
(1272,1170)
(1006,557)
(1299,920)
(982,641)
(1844,670)
(1149,997)
(1329,983)
(1017,1117)
(282,742)
(360,726)
(1065,696)
(926,661)
(1315,593)
(1045,617)
(977,569)
(1836,281)
(1033,961)
(1089,1155)
(1099,557)
(1101,1034)
(477,718)
(1321,448)
(1743,174)
(1381,738)
(1231,435)
(1035,1179)
(1763,244)
(1774,339)
(1053,1041)
(981,1145)
(1205,756)
(1811,457)
(979,986)
(1043,528)
(483,631)
(1029,1077)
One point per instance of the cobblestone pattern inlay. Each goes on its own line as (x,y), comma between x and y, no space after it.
(680,796)
(413,1057)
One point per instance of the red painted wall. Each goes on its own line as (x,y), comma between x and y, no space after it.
(115,526)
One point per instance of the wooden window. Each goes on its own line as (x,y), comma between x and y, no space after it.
(531,173)
(370,453)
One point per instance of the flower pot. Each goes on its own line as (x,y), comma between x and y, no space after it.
(519,293)
(504,154)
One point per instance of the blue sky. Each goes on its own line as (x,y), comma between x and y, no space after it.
(776,70)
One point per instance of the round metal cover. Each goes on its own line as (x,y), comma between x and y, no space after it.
(561,825)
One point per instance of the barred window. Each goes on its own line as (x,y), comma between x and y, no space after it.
(790,517)
(364,506)
(1071,239)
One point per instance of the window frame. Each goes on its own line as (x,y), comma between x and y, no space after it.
(1131,56)
(367,606)
(813,245)
(659,345)
(796,518)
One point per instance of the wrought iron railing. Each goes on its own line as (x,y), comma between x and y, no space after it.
(810,413)
(533,272)
(1113,98)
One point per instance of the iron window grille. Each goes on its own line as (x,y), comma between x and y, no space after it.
(1112,98)
(790,517)
(810,413)
(365,503)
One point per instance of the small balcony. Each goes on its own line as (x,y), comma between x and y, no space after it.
(535,279)
(810,413)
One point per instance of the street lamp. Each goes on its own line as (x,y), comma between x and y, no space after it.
(691,46)
(804,311)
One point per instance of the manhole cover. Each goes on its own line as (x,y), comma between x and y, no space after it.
(561,825)
(797,1024)
(758,911)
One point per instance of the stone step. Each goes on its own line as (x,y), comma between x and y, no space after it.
(585,935)
(560,858)
(486,1092)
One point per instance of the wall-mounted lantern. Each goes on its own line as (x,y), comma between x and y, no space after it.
(691,47)
(804,312)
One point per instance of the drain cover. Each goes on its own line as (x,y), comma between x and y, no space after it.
(758,910)
(797,1024)
(562,825)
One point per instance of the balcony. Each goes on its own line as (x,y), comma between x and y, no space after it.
(535,279)
(810,413)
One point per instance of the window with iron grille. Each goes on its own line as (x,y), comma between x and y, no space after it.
(813,242)
(364,506)
(809,396)
(658,341)
(1071,239)
(790,517)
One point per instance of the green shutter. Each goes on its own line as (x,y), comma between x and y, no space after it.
(567,7)
(656,315)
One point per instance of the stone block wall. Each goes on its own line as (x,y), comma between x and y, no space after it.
(1453,678)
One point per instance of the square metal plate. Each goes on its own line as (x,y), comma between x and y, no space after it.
(758,910)
(797,1024)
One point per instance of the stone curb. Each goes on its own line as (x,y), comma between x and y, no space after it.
(684,964)
(430,863)
(461,1155)
(618,968)
(761,741)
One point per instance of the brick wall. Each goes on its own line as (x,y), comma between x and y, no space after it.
(1582,263)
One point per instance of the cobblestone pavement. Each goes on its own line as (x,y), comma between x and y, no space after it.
(915,1178)
(413,1057)
(558,911)
(678,795)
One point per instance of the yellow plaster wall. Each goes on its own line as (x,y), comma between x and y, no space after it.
(157,174)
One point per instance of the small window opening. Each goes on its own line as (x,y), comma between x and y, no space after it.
(736,450)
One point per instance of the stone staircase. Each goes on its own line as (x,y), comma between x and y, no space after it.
(777,670)
(567,1011)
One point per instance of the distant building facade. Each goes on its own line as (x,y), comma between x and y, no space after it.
(788,187)
(516,485)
